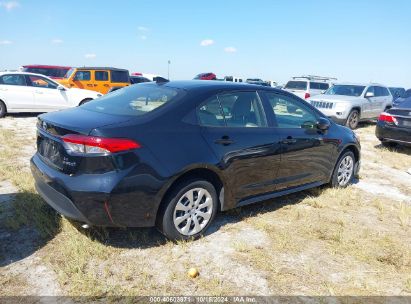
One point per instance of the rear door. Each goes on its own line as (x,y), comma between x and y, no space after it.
(102,81)
(15,92)
(46,95)
(307,154)
(235,127)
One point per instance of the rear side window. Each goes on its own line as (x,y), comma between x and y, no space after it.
(319,86)
(236,109)
(211,114)
(296,85)
(101,75)
(135,100)
(119,76)
(82,76)
(13,80)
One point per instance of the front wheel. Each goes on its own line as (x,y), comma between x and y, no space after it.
(190,209)
(344,170)
(353,119)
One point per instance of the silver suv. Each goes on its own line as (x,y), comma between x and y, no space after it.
(308,85)
(348,103)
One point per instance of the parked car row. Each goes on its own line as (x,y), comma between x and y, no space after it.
(28,92)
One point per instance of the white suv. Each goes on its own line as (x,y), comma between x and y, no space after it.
(348,103)
(308,86)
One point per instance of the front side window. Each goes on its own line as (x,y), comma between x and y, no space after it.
(41,82)
(296,85)
(345,90)
(290,113)
(385,92)
(14,79)
(82,76)
(135,100)
(242,109)
(236,109)
(101,75)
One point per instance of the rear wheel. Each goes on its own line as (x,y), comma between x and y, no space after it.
(85,101)
(3,109)
(344,170)
(353,119)
(190,209)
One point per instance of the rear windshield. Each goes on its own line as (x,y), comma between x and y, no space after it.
(296,85)
(50,72)
(345,90)
(134,100)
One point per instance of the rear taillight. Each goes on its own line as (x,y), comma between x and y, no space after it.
(307,95)
(387,118)
(92,144)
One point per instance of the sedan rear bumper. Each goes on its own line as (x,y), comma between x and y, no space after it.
(387,133)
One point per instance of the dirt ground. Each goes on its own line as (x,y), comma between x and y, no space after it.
(353,241)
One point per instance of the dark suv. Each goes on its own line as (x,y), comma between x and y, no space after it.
(173,154)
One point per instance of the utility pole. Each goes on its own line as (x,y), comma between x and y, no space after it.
(168,69)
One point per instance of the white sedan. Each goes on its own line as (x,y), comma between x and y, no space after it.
(28,92)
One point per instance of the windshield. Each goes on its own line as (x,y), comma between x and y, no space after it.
(68,74)
(50,72)
(296,85)
(134,100)
(345,90)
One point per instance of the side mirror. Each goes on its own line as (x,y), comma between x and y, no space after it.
(61,88)
(369,95)
(323,124)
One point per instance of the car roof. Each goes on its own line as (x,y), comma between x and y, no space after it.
(102,68)
(361,84)
(26,73)
(46,66)
(212,85)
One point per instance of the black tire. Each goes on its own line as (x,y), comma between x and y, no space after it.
(3,109)
(85,101)
(335,181)
(165,222)
(353,119)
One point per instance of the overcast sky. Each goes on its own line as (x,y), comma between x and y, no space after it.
(353,40)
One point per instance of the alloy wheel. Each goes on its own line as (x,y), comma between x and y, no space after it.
(345,171)
(193,211)
(353,120)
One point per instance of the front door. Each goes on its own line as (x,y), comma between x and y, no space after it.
(83,80)
(235,127)
(307,154)
(47,96)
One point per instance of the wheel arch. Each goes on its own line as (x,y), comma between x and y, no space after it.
(204,173)
(84,100)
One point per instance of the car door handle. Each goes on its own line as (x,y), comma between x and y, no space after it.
(39,92)
(289,140)
(225,141)
(89,85)
(3,89)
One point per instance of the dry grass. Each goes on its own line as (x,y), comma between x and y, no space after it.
(320,242)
